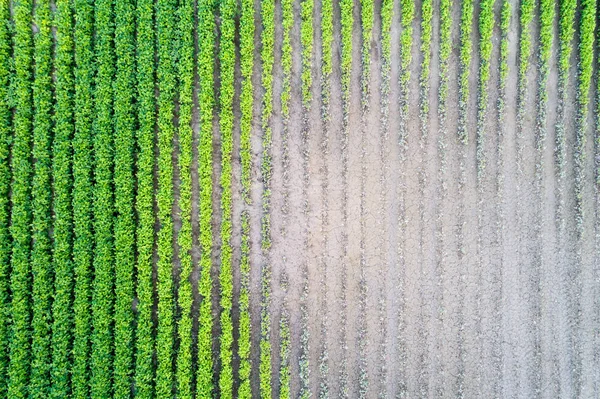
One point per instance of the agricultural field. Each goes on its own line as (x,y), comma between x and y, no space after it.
(299,198)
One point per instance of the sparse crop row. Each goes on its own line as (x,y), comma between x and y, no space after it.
(486,28)
(62,319)
(284,343)
(20,229)
(166,31)
(445,51)
(5,239)
(185,64)
(227,59)
(124,229)
(82,195)
(466,22)
(246,99)
(587,27)
(41,268)
(407,14)
(505,15)
(267,58)
(526,18)
(144,202)
(206,102)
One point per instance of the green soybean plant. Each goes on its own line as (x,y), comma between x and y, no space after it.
(124,229)
(41,192)
(144,202)
(62,327)
(206,100)
(466,22)
(82,195)
(426,32)
(246,100)
(526,18)
(367,16)
(486,29)
(21,217)
(267,59)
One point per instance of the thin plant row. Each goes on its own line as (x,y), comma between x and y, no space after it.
(466,22)
(326,34)
(505,15)
(5,177)
(426,32)
(124,191)
(206,101)
(346,53)
(287,21)
(267,59)
(41,268)
(367,17)
(587,28)
(82,196)
(166,31)
(246,101)
(144,201)
(527,8)
(444,55)
(306,37)
(186,75)
(21,214)
(62,320)
(407,15)
(228,12)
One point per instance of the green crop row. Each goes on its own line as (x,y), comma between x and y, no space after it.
(426,32)
(526,18)
(63,218)
(466,22)
(284,346)
(18,370)
(186,72)
(346,51)
(566,32)
(407,14)
(124,234)
(41,192)
(326,62)
(306,32)
(103,205)
(505,15)
(82,195)
(206,101)
(445,50)
(387,11)
(5,239)
(267,58)
(367,18)
(166,31)
(486,29)
(144,201)
(228,12)
(587,28)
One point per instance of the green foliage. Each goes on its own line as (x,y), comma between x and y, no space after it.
(486,30)
(166,31)
(566,32)
(227,59)
(407,14)
(82,195)
(62,326)
(206,40)
(246,99)
(103,205)
(267,39)
(445,46)
(144,205)
(367,38)
(526,18)
(426,31)
(41,267)
(124,236)
(287,16)
(5,177)
(346,52)
(184,238)
(505,15)
(326,62)
(284,352)
(466,22)
(307,32)
(20,228)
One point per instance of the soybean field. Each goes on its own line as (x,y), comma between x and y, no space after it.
(299,198)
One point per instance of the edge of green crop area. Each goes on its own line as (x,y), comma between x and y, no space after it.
(505,15)
(41,193)
(407,15)
(466,22)
(144,202)
(21,216)
(62,317)
(206,100)
(267,58)
(486,29)
(426,33)
(526,16)
(124,229)
(367,20)
(5,178)
(346,54)
(186,76)
(166,30)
